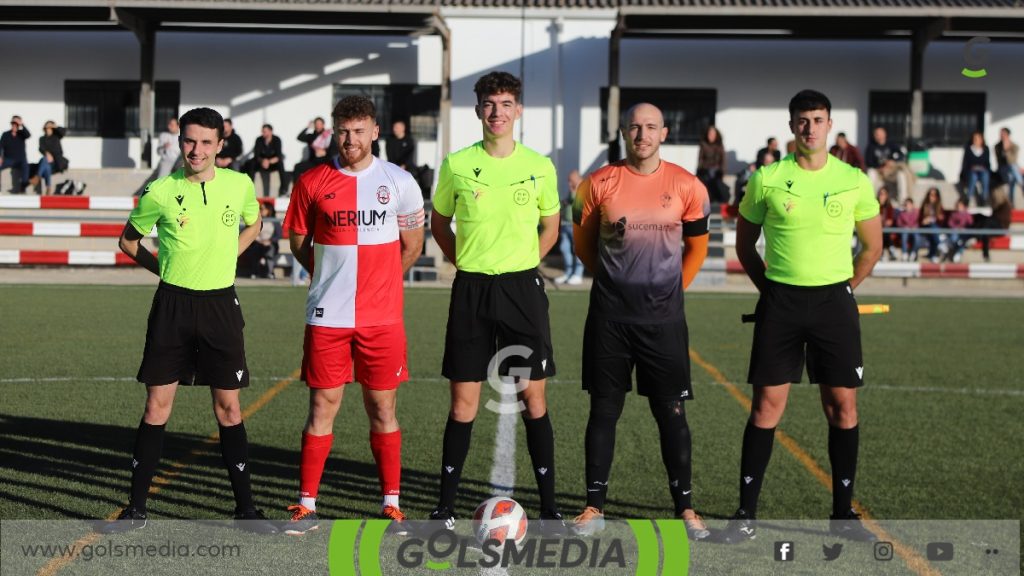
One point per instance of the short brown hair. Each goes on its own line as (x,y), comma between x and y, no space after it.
(352,107)
(498,83)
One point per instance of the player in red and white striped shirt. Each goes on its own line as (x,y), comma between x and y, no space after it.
(356,223)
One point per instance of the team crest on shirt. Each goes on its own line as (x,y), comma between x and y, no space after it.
(383,195)
(666,200)
(789,205)
(834,208)
(229,217)
(521,196)
(182,218)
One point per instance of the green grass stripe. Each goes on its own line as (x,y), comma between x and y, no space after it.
(341,547)
(369,547)
(647,547)
(676,547)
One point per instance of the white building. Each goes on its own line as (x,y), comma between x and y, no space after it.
(735,63)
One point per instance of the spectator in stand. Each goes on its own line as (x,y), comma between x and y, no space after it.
(933,217)
(231,153)
(908,218)
(711,164)
(888,213)
(401,147)
(887,162)
(262,253)
(847,152)
(1000,219)
(169,150)
(771,148)
(976,169)
(52,160)
(960,219)
(320,147)
(267,157)
(573,266)
(768,157)
(13,155)
(1006,163)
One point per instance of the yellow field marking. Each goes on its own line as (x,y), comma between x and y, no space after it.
(176,468)
(914,561)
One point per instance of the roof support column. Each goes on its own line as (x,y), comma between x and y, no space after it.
(613,104)
(922,36)
(446,82)
(145,32)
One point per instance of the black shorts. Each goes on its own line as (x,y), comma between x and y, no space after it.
(195,337)
(820,322)
(660,353)
(489,314)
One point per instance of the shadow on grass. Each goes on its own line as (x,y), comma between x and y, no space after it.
(63,469)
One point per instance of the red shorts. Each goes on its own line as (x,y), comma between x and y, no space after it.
(378,353)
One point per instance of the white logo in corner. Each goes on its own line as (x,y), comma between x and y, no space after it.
(542,470)
(240,466)
(846,482)
(747,479)
(860,372)
(544,364)
(236,302)
(239,375)
(449,469)
(135,463)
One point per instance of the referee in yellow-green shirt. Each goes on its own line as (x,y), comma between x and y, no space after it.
(809,205)
(194,333)
(498,191)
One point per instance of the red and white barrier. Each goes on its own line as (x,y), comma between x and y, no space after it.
(64,229)
(65,258)
(96,203)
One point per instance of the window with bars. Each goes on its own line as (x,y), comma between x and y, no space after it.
(418,106)
(687,111)
(110,108)
(949,117)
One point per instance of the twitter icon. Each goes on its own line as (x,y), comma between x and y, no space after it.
(832,552)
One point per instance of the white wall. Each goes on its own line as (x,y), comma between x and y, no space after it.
(282,79)
(286,79)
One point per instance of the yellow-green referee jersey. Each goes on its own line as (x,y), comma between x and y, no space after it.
(497,203)
(808,219)
(197,226)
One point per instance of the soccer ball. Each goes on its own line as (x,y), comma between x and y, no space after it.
(499,518)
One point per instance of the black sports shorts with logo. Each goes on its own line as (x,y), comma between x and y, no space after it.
(492,313)
(195,337)
(819,322)
(660,353)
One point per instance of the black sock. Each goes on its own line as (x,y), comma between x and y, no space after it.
(842,453)
(149,444)
(757,451)
(234,449)
(600,445)
(540,441)
(453,456)
(675,450)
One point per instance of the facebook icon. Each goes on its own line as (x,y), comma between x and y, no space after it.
(784,551)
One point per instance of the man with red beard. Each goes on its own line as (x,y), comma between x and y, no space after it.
(356,223)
